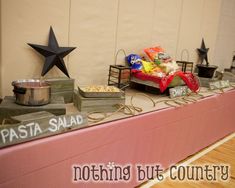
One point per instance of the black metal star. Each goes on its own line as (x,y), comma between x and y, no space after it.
(202,52)
(53,54)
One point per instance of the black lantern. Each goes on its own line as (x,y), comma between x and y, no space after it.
(119,75)
(186,66)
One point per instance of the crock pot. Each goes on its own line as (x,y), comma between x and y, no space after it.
(32,92)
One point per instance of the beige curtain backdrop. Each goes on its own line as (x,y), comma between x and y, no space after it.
(0,49)
(98,28)
(225,42)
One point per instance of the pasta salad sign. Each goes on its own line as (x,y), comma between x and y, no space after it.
(31,130)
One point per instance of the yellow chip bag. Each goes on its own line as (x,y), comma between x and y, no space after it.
(147,66)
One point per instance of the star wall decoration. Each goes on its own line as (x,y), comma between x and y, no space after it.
(53,54)
(202,52)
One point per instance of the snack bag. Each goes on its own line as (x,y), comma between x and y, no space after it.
(169,67)
(157,71)
(147,66)
(134,61)
(157,55)
(152,53)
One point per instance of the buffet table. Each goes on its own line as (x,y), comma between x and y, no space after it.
(159,137)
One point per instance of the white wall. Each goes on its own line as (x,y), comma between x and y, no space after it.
(98,28)
(225,44)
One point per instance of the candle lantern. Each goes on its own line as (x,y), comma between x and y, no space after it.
(186,66)
(119,75)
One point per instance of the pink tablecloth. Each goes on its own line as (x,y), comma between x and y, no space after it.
(165,137)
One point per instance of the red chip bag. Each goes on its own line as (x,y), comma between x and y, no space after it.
(152,53)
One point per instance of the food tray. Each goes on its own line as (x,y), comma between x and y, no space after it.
(99,94)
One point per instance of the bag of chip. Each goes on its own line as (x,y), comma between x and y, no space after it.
(152,53)
(134,61)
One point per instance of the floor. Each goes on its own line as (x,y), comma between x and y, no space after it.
(221,155)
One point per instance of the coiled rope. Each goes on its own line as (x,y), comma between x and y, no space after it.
(133,109)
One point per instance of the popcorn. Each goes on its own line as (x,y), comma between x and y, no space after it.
(100,88)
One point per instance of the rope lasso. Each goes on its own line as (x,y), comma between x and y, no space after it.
(132,109)
(126,109)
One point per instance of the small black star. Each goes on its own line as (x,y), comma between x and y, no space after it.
(203,52)
(53,54)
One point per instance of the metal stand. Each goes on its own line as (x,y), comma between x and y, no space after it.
(119,76)
(186,66)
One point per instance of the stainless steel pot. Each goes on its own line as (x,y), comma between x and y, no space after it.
(32,92)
